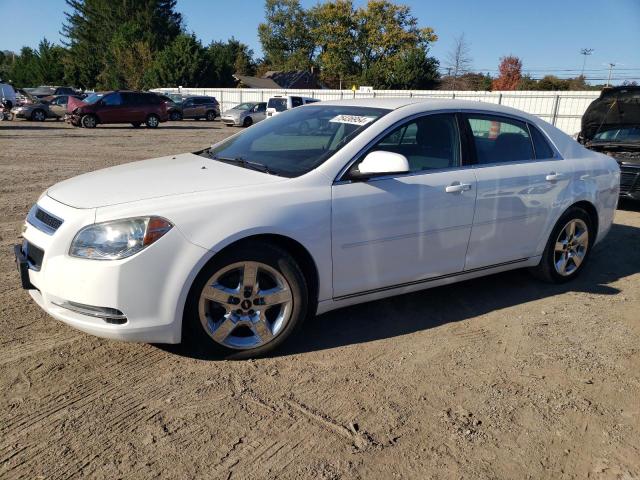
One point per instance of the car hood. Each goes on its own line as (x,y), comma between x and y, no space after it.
(232,112)
(159,177)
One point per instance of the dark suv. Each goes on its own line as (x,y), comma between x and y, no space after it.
(200,107)
(135,108)
(611,125)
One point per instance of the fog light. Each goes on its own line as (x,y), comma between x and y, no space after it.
(109,315)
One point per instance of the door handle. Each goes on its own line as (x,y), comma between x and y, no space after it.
(456,187)
(553,176)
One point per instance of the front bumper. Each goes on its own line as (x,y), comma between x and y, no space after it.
(148,289)
(72,118)
(231,121)
(19,113)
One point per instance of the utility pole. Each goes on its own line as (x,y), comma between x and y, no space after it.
(585,52)
(611,65)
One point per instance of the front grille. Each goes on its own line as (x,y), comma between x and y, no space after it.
(34,254)
(43,220)
(48,219)
(629,179)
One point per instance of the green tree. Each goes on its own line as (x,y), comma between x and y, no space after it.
(182,62)
(384,33)
(127,59)
(226,58)
(91,25)
(285,37)
(413,70)
(333,28)
(25,71)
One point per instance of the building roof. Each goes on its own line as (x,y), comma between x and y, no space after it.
(256,82)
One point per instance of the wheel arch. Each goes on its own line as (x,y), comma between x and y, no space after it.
(591,210)
(298,251)
(293,247)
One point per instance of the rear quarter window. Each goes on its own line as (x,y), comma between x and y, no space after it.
(540,144)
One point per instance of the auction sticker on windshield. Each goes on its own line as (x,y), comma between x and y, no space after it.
(352,119)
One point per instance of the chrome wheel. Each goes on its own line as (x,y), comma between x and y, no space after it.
(571,247)
(245,305)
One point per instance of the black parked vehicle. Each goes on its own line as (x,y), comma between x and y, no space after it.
(611,125)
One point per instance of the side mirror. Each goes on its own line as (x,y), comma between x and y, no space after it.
(381,163)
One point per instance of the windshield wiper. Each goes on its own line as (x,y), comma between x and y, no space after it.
(251,165)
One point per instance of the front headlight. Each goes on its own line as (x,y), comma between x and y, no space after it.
(118,239)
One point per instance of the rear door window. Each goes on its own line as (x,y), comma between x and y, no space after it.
(500,139)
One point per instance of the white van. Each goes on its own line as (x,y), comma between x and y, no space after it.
(280,103)
(7,93)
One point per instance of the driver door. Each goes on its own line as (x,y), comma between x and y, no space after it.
(400,230)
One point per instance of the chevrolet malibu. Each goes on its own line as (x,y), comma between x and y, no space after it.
(323,206)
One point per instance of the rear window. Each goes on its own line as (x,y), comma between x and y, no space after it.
(279,104)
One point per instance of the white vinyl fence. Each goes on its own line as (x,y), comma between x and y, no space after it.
(562,109)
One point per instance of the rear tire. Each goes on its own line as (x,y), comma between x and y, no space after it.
(152,121)
(211,116)
(252,330)
(568,248)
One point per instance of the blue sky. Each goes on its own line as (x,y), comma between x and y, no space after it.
(546,34)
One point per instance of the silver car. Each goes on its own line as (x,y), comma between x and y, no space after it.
(245,114)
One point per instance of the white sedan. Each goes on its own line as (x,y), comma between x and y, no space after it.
(324,206)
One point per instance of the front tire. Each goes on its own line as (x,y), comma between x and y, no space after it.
(89,121)
(246,302)
(247,122)
(38,115)
(136,124)
(568,247)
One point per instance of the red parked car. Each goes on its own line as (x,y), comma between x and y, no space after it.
(120,106)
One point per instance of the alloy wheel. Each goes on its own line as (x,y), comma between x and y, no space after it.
(152,121)
(571,247)
(245,305)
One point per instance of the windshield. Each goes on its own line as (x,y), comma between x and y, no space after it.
(299,140)
(93,98)
(279,104)
(244,106)
(619,135)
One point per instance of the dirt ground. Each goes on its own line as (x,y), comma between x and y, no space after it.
(502,377)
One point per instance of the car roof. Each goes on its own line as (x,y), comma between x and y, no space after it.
(428,104)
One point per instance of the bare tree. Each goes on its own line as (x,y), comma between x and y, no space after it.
(458,61)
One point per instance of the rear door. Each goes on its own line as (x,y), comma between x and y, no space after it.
(133,107)
(517,189)
(189,108)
